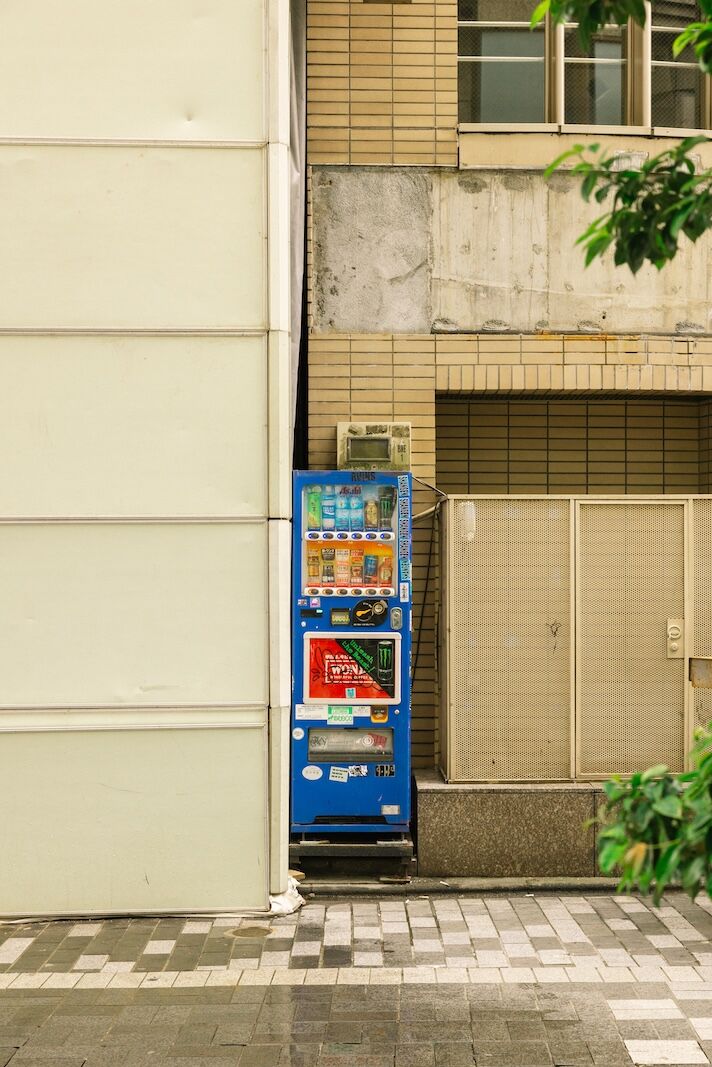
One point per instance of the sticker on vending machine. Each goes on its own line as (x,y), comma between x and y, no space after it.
(338,774)
(310,711)
(359,770)
(340,716)
(404,592)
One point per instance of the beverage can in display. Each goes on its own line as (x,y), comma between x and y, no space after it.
(342,516)
(314,507)
(327,566)
(356,509)
(356,566)
(385,662)
(313,564)
(342,569)
(370,513)
(328,508)
(370,568)
(385,570)
(385,507)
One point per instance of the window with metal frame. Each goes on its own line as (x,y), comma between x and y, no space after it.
(511,75)
(678,88)
(502,63)
(595,79)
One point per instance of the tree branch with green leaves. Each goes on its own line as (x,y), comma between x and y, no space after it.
(651,207)
(656,827)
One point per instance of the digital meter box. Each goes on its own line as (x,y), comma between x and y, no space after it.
(351,652)
(382,446)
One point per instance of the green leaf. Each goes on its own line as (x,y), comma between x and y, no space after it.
(575,151)
(654,772)
(539,13)
(667,865)
(670,807)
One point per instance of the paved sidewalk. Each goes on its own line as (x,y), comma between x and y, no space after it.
(516,939)
(520,981)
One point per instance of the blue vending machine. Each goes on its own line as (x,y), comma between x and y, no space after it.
(351,652)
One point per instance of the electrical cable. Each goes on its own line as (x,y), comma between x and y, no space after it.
(432,488)
(416,657)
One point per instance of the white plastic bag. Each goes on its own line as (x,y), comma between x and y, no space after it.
(288,902)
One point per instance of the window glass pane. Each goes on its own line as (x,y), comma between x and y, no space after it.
(473,41)
(501,92)
(495,11)
(595,94)
(661,47)
(675,13)
(595,89)
(608,43)
(676,97)
(676,83)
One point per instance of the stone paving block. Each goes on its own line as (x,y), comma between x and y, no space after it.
(664,1052)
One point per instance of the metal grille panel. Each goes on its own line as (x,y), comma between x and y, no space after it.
(509,629)
(702,600)
(631,698)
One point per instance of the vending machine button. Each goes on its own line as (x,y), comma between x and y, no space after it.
(383,536)
(342,536)
(371,536)
(356,592)
(357,536)
(370,592)
(327,536)
(313,535)
(342,592)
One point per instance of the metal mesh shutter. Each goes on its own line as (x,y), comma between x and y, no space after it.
(631,700)
(702,600)
(509,633)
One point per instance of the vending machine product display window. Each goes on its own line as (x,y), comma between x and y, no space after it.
(351,651)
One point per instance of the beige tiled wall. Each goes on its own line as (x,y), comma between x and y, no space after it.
(572,445)
(369,377)
(389,378)
(382,82)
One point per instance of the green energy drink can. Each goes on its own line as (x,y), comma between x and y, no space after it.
(384,669)
(385,508)
(314,507)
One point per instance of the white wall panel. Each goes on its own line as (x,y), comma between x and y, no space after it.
(133,614)
(142,69)
(133,820)
(137,238)
(133,426)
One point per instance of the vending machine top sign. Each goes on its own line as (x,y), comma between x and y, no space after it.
(374,446)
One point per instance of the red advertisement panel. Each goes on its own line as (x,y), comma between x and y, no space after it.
(345,668)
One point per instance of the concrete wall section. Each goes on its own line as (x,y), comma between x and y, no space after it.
(397,250)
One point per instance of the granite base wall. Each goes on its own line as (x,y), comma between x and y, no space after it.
(505,831)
